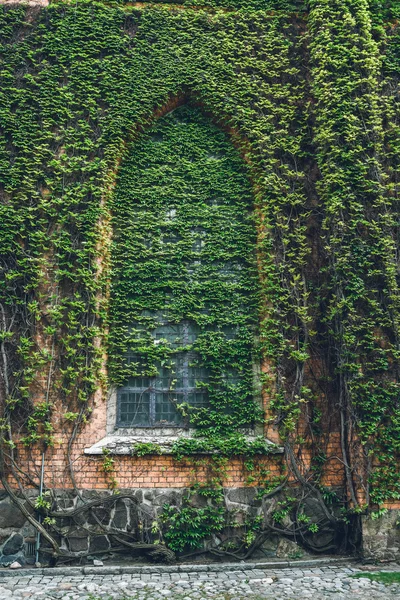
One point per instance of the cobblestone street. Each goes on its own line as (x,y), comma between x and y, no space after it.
(198,582)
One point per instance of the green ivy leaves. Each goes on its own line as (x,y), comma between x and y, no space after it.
(361,291)
(79,82)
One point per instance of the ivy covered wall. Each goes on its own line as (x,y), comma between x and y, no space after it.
(308,94)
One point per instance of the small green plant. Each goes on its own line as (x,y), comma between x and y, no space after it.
(377,514)
(187,527)
(145,449)
(42,501)
(253,526)
(329,496)
(296,554)
(107,466)
(381,576)
(285,507)
(71,416)
(279,515)
(303,519)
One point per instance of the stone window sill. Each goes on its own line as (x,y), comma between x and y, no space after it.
(121,443)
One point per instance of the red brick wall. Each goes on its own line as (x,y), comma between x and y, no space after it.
(150,471)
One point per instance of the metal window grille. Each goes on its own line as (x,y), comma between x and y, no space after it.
(152,401)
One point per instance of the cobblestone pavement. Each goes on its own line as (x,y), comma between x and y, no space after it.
(289,584)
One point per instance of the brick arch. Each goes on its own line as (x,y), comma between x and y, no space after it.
(239,141)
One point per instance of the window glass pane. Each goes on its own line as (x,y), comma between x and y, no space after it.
(137,363)
(192,333)
(231,376)
(170,239)
(198,399)
(230,331)
(164,379)
(139,383)
(196,375)
(165,409)
(133,408)
(180,368)
(169,333)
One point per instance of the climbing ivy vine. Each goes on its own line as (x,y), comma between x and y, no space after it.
(309,97)
(249,5)
(360,230)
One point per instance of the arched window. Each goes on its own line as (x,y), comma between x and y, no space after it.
(184,296)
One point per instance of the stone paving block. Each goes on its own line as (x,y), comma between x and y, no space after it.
(235,584)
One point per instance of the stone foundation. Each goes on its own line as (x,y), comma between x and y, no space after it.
(91,530)
(381,537)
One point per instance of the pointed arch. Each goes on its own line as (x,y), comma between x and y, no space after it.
(185,288)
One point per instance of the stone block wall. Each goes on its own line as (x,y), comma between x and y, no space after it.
(131,514)
(381,536)
(17,536)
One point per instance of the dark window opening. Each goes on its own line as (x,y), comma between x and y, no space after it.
(185,288)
